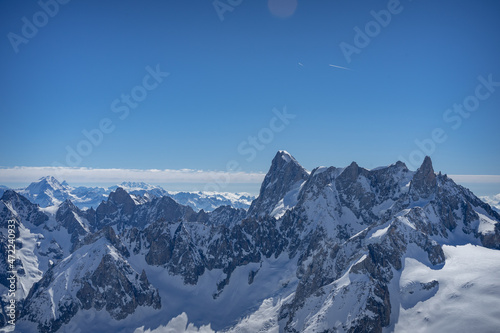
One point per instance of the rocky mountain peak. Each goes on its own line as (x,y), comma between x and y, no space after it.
(401,165)
(50,179)
(118,206)
(67,205)
(282,158)
(10,195)
(424,181)
(121,197)
(284,167)
(44,183)
(17,201)
(47,191)
(20,207)
(351,173)
(426,166)
(283,175)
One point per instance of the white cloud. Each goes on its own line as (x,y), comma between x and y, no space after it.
(479,179)
(492,200)
(90,175)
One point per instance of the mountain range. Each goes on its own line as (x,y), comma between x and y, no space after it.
(48,191)
(328,250)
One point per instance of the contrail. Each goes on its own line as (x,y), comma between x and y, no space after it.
(339,67)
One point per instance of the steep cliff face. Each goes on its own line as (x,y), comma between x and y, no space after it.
(280,186)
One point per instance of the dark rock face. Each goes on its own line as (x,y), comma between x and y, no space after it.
(120,210)
(177,252)
(107,233)
(25,209)
(226,215)
(285,172)
(72,218)
(118,207)
(110,284)
(163,209)
(424,182)
(124,290)
(492,240)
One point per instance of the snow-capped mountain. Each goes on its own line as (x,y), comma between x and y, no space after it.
(331,250)
(48,191)
(140,189)
(493,201)
(280,187)
(209,201)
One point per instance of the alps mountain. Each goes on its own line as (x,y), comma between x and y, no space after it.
(330,250)
(48,191)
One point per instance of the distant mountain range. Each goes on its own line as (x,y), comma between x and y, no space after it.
(493,201)
(328,250)
(48,191)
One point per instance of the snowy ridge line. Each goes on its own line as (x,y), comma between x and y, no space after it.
(335,249)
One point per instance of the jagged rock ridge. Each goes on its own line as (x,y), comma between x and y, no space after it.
(342,234)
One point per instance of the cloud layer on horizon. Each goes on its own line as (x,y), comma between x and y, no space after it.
(91,175)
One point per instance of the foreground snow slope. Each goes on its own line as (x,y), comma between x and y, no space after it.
(468,296)
(466,300)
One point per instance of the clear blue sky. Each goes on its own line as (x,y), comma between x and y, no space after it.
(226,76)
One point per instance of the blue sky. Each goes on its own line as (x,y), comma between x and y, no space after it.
(228,79)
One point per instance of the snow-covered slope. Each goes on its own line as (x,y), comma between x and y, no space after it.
(463,298)
(334,249)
